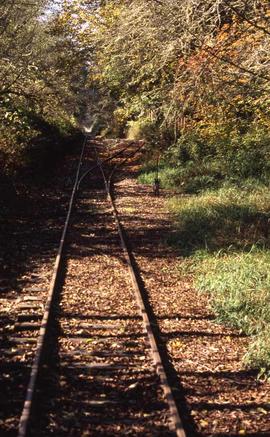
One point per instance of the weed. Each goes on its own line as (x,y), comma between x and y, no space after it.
(185,179)
(258,354)
(240,286)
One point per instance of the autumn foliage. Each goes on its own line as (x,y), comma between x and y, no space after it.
(191,77)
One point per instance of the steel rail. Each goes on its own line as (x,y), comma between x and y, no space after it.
(31,388)
(159,366)
(115,155)
(130,155)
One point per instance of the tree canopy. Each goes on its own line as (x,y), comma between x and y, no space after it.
(39,76)
(192,77)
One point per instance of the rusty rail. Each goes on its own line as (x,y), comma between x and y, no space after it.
(159,366)
(160,370)
(31,388)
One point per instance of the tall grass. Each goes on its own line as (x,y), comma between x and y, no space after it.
(184,179)
(226,218)
(224,237)
(239,285)
(193,177)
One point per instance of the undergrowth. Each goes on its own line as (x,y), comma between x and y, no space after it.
(186,179)
(194,177)
(168,176)
(228,217)
(223,236)
(239,285)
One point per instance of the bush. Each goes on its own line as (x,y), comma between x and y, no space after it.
(143,128)
(248,155)
(201,183)
(209,155)
(28,139)
(186,179)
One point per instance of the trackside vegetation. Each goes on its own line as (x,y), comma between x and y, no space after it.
(223,236)
(239,285)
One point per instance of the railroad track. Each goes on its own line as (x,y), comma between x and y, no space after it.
(97,368)
(29,241)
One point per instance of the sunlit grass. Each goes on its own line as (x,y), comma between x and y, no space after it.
(225,218)
(239,286)
(223,236)
(167,176)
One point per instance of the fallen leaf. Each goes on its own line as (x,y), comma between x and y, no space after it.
(203,423)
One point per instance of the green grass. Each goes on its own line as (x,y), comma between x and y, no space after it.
(193,177)
(223,236)
(189,178)
(239,286)
(168,176)
(226,218)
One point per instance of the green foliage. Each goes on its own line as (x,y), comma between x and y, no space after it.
(189,178)
(143,128)
(187,77)
(249,154)
(38,96)
(212,155)
(240,286)
(168,176)
(258,354)
(200,183)
(23,130)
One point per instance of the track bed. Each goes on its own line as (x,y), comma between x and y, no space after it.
(99,367)
(104,381)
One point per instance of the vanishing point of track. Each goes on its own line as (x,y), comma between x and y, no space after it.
(98,166)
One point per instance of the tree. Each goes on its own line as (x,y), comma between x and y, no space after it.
(40,69)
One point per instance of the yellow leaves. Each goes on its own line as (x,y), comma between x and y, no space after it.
(177,344)
(76,20)
(244,80)
(204,423)
(242,432)
(110,12)
(120,114)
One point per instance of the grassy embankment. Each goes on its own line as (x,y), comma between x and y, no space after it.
(223,235)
